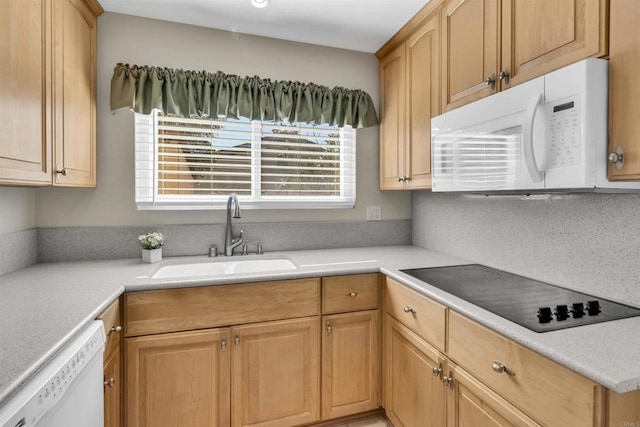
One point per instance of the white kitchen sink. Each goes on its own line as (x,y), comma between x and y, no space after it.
(221,268)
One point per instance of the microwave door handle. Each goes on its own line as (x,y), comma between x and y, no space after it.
(529,157)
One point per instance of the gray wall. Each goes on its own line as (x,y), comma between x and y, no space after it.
(141,41)
(17,209)
(61,223)
(588,242)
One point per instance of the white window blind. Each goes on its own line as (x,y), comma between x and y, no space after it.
(195,163)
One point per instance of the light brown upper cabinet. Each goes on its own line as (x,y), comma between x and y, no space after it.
(470,58)
(491,45)
(409,97)
(48,87)
(74,88)
(25,90)
(624,90)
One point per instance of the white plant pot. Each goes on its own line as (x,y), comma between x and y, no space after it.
(152,255)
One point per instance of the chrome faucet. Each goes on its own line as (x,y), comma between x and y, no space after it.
(229,242)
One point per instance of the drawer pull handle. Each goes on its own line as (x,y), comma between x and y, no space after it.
(352,294)
(115,330)
(437,370)
(111,383)
(501,368)
(408,309)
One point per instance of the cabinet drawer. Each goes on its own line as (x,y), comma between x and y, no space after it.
(112,320)
(424,317)
(350,293)
(546,391)
(170,310)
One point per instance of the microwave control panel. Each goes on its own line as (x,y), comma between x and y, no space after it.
(564,133)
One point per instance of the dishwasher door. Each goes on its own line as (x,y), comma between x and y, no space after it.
(67,391)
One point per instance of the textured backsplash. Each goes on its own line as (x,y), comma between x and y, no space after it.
(588,242)
(90,243)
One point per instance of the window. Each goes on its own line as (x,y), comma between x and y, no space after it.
(195,163)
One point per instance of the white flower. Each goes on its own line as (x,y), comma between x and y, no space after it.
(153,240)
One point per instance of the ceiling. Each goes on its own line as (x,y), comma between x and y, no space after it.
(362,25)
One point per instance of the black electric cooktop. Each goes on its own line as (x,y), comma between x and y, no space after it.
(536,305)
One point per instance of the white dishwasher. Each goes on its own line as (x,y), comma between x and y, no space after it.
(67,391)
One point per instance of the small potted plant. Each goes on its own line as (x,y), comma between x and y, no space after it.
(152,244)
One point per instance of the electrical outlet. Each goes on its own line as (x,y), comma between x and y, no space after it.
(374,213)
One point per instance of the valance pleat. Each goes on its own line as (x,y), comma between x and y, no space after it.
(201,94)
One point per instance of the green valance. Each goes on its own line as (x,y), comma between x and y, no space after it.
(201,94)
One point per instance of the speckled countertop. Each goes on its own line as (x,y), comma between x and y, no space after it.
(43,306)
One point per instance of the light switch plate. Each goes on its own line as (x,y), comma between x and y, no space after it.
(374,213)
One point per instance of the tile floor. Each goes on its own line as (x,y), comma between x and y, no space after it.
(366,422)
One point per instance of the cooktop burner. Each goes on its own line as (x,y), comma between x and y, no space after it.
(536,305)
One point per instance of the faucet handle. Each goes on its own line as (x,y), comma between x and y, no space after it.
(239,238)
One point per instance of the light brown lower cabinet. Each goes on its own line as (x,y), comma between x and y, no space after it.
(350,363)
(112,368)
(113,389)
(276,374)
(470,403)
(178,379)
(414,391)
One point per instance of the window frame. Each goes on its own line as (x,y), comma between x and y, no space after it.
(146,175)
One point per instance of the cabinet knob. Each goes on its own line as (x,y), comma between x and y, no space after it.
(110,383)
(62,172)
(491,81)
(617,158)
(448,380)
(501,368)
(437,370)
(237,340)
(115,330)
(352,294)
(328,328)
(504,75)
(408,309)
(223,344)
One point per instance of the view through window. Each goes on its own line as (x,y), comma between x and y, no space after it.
(191,163)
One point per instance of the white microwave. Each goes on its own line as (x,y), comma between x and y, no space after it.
(546,135)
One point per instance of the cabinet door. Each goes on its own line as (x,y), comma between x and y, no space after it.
(113,389)
(74,29)
(25,152)
(423,100)
(414,396)
(350,363)
(470,403)
(624,89)
(178,379)
(470,32)
(276,374)
(392,119)
(539,36)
